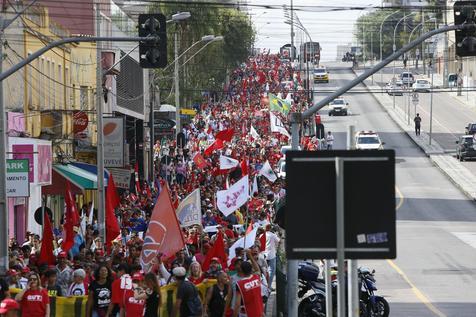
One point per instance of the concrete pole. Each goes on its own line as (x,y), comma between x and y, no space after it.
(445,52)
(431,106)
(3,176)
(339,166)
(100,141)
(152,128)
(292,265)
(291,53)
(177,83)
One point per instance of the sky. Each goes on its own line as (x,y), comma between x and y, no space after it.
(329,28)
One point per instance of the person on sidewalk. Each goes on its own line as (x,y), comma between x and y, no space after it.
(329,140)
(417,121)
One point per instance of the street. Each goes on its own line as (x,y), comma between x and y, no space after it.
(434,273)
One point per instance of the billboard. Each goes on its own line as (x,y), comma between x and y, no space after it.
(113,131)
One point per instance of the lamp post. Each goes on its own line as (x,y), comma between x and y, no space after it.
(381,40)
(394,35)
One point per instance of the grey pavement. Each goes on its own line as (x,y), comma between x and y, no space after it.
(449,118)
(435,270)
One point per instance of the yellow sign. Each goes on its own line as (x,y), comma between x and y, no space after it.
(189,112)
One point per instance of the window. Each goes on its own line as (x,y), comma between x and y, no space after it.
(83,97)
(53,85)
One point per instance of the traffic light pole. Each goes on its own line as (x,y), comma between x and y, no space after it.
(297,118)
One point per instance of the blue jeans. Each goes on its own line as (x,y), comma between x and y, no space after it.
(271,270)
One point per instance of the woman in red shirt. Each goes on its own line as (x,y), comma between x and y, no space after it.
(196,275)
(34,300)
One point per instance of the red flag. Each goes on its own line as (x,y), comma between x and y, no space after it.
(163,234)
(69,219)
(136,174)
(176,201)
(199,161)
(244,167)
(46,251)
(217,251)
(225,135)
(262,242)
(147,189)
(112,201)
(218,144)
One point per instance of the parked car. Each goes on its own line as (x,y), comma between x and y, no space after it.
(394,88)
(470,128)
(466,147)
(407,78)
(422,85)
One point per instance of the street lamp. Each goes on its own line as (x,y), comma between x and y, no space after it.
(214,39)
(394,35)
(381,40)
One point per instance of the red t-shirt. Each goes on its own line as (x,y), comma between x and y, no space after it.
(250,289)
(33,303)
(132,306)
(119,288)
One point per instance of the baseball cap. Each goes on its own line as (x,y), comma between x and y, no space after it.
(26,269)
(179,271)
(62,254)
(215,259)
(12,272)
(8,304)
(137,276)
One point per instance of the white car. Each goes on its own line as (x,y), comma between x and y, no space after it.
(286,148)
(368,140)
(338,106)
(422,85)
(394,88)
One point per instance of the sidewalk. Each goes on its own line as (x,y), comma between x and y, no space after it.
(446,128)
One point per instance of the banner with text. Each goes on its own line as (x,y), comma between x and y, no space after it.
(113,130)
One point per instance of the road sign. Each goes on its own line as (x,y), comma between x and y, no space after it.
(369,204)
(415,97)
(18,184)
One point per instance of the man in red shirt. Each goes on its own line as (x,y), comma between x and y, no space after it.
(248,294)
(121,284)
(134,307)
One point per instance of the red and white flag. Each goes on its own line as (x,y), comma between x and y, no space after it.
(268,172)
(163,234)
(254,134)
(233,198)
(227,162)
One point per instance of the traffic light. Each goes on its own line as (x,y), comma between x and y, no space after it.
(153,54)
(464,14)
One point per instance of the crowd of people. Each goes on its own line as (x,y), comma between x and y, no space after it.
(110,274)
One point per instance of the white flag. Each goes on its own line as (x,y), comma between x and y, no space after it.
(227,162)
(91,213)
(189,211)
(268,172)
(233,198)
(245,242)
(255,185)
(277,125)
(254,133)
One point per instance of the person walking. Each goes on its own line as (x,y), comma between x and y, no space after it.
(329,140)
(417,121)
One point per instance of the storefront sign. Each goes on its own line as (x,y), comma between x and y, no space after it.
(17,178)
(122,177)
(25,151)
(80,121)
(113,130)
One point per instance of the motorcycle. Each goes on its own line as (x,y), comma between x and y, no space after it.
(374,305)
(312,293)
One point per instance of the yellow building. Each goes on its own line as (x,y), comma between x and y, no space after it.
(57,83)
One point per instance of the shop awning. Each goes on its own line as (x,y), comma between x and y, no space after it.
(82,177)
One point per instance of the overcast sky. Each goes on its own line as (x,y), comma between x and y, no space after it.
(329,28)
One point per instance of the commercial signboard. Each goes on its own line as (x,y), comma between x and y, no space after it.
(18,184)
(113,131)
(39,154)
(122,177)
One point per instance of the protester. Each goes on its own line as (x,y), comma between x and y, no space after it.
(187,301)
(9,308)
(34,299)
(51,284)
(99,296)
(248,296)
(152,296)
(79,287)
(218,297)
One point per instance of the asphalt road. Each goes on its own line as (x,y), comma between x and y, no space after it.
(435,270)
(450,115)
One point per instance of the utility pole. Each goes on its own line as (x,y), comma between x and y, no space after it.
(151,126)
(291,53)
(100,141)
(3,176)
(177,92)
(445,50)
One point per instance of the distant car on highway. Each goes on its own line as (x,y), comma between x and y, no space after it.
(368,140)
(470,128)
(321,75)
(422,85)
(338,106)
(281,170)
(466,147)
(394,88)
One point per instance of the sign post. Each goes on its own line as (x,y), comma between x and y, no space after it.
(18,184)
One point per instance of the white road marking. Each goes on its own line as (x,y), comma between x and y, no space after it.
(467,237)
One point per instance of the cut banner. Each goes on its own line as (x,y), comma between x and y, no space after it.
(277,125)
(267,172)
(227,162)
(189,211)
(233,198)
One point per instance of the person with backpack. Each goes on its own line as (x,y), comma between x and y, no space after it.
(187,301)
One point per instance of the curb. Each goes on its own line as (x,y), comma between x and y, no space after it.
(454,170)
